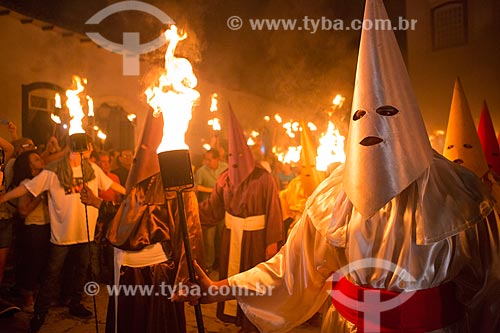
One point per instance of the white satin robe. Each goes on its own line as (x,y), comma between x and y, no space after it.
(442,228)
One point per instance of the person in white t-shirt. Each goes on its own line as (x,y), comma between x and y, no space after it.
(63,181)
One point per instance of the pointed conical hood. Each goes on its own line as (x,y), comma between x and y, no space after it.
(310,177)
(461,144)
(387,147)
(146,159)
(240,158)
(488,140)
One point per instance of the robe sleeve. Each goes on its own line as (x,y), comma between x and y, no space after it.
(274,219)
(212,210)
(107,212)
(478,282)
(295,281)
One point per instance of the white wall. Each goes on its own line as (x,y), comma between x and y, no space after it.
(29,55)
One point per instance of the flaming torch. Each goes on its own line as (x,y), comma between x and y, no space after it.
(331,148)
(174,97)
(77,136)
(55,116)
(214,122)
(79,144)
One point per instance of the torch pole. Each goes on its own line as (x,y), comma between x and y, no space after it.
(90,248)
(79,144)
(189,258)
(177,175)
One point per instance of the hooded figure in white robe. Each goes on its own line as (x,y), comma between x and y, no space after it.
(403,239)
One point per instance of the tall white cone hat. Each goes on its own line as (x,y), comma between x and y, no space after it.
(387,147)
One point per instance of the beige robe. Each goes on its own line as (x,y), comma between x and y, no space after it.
(442,228)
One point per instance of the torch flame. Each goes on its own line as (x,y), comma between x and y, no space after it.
(214,122)
(338,100)
(55,118)
(57,102)
(331,148)
(213,105)
(278,118)
(101,135)
(174,96)
(74,106)
(290,156)
(311,126)
(289,129)
(90,103)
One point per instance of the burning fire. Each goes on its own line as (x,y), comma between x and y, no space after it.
(331,148)
(290,156)
(291,128)
(338,100)
(174,96)
(251,139)
(101,135)
(75,107)
(57,101)
(311,126)
(55,118)
(214,122)
(278,118)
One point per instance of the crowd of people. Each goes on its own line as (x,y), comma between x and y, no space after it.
(44,222)
(44,226)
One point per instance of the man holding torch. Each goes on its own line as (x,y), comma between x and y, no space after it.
(63,180)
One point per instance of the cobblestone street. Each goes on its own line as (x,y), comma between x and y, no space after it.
(60,321)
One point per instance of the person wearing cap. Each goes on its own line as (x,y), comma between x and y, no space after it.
(246,197)
(63,180)
(398,238)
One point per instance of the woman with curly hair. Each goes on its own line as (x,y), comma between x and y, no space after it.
(34,235)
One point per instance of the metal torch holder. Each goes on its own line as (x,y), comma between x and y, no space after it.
(177,175)
(79,144)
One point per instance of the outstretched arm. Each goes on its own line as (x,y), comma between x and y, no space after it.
(7,148)
(210,289)
(14,194)
(118,188)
